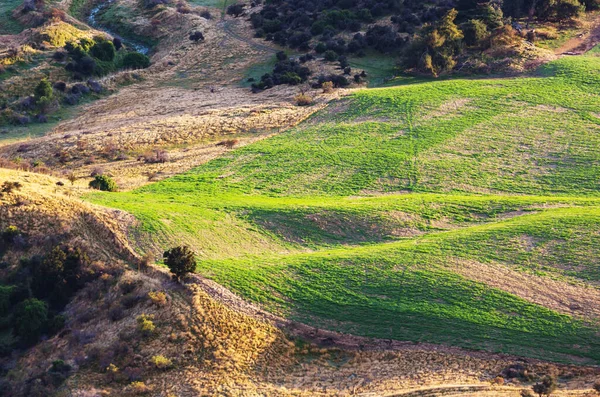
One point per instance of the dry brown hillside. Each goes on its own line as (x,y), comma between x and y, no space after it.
(200,347)
(188,100)
(51,213)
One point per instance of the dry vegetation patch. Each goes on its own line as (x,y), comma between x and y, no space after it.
(200,346)
(575,299)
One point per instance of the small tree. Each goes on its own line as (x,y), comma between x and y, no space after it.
(43,94)
(546,387)
(72,177)
(181,261)
(597,387)
(235,10)
(104,183)
(43,89)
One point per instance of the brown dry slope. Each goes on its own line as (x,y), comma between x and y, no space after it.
(48,212)
(217,351)
(176,104)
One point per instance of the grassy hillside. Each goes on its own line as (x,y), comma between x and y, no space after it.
(8,25)
(386,214)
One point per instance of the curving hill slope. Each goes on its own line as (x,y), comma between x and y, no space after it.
(462,212)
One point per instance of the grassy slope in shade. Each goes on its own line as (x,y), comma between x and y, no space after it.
(491,170)
(8,25)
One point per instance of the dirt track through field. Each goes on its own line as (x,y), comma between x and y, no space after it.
(583,43)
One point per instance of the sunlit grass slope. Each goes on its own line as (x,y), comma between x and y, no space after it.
(352,220)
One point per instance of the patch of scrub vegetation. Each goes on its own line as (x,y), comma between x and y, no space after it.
(379,68)
(211,3)
(117,18)
(482,171)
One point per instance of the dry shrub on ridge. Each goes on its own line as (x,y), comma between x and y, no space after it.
(303,100)
(229,143)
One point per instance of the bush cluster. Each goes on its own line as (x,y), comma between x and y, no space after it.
(180,261)
(33,293)
(429,35)
(286,71)
(100,56)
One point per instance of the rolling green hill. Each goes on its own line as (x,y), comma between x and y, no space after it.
(388,214)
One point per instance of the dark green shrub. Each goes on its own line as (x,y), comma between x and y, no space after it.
(320,48)
(235,10)
(43,89)
(196,37)
(56,324)
(30,319)
(104,50)
(104,183)
(330,56)
(104,67)
(281,56)
(181,261)
(48,275)
(135,60)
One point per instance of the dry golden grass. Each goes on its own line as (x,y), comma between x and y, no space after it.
(43,209)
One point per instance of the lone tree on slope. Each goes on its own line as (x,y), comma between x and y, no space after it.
(181,261)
